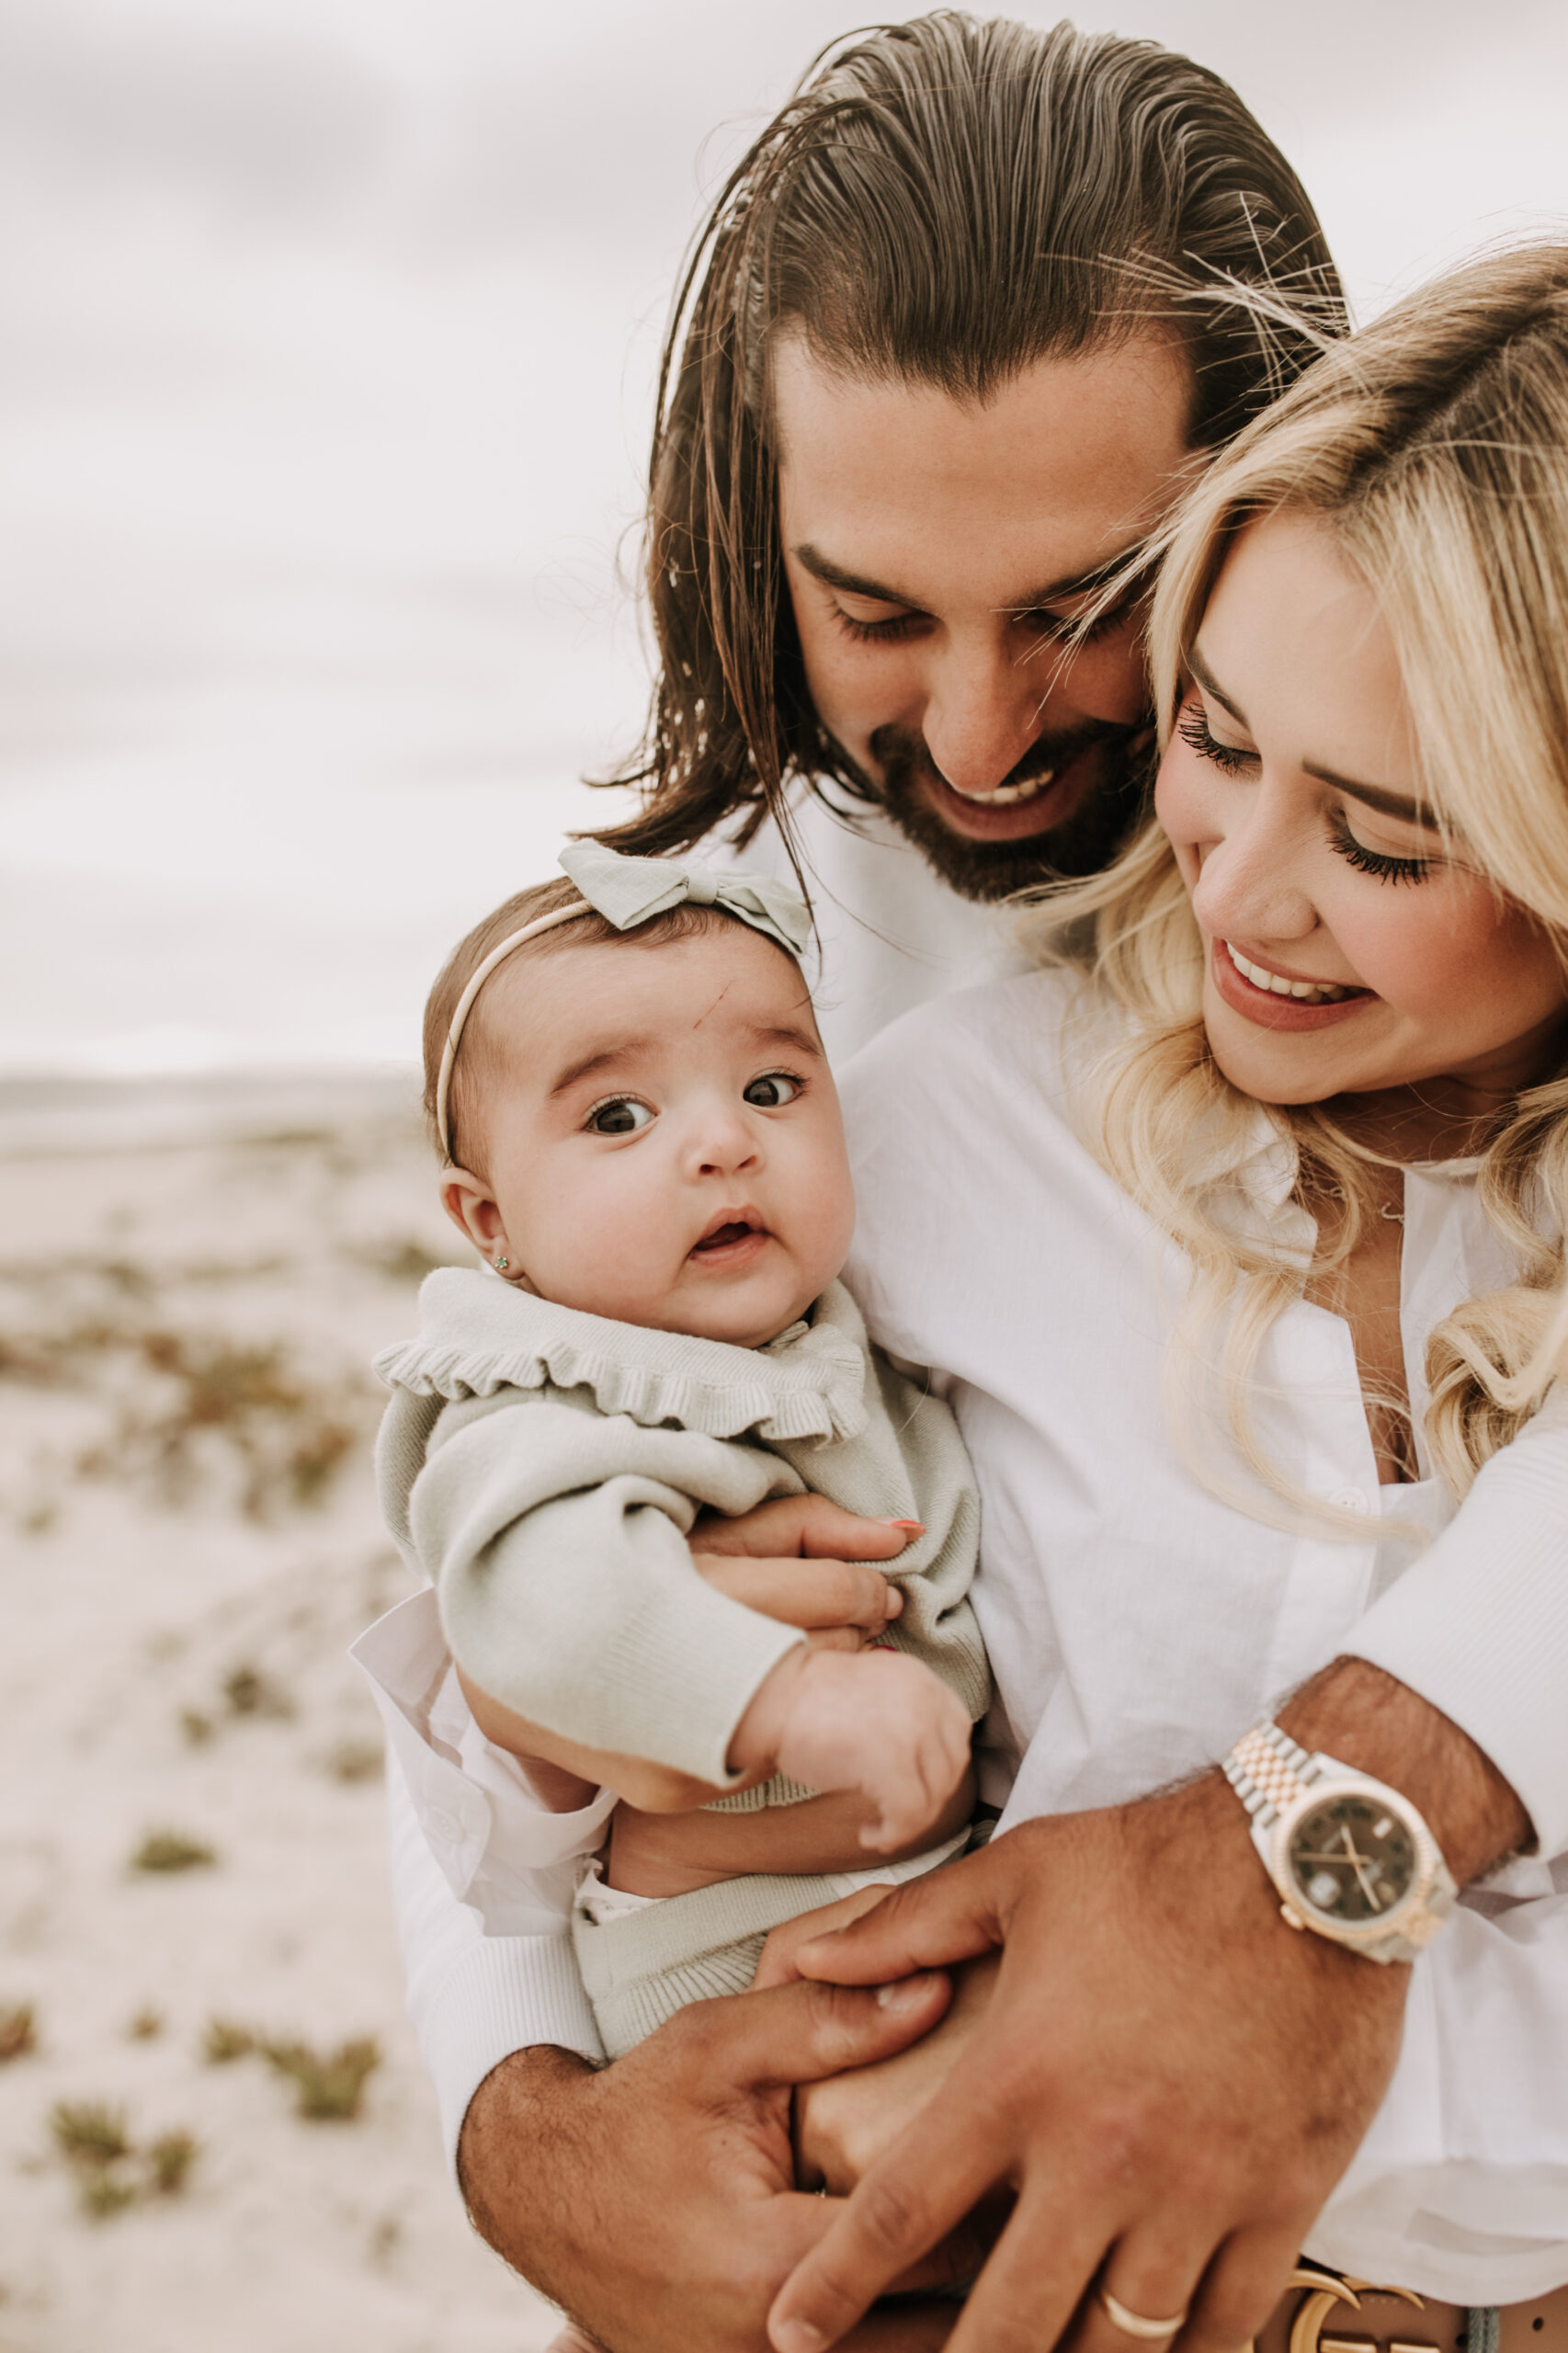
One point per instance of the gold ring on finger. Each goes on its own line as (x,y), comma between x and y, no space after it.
(1150,2332)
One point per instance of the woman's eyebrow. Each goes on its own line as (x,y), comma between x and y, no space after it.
(1376,796)
(1211,685)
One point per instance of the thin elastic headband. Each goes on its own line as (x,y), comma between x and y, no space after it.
(629,892)
(477,979)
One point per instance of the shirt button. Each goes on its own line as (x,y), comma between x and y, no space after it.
(1351,1499)
(443,1826)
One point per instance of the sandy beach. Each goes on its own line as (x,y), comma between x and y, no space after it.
(192,1281)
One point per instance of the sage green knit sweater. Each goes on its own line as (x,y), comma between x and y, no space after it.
(542,1467)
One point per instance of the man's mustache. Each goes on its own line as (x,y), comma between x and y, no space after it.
(901,753)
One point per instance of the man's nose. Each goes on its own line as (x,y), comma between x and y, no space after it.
(984,709)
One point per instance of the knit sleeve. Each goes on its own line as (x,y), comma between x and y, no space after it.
(556,1539)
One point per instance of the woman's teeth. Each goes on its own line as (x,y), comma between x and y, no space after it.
(1306,992)
(1003,796)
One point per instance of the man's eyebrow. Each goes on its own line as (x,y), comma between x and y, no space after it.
(835,576)
(1376,796)
(1055,592)
(1085,584)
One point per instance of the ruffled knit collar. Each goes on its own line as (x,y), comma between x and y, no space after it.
(478,1334)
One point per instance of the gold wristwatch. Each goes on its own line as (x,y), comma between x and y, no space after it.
(1352,1859)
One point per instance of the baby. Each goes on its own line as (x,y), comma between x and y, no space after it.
(642,1139)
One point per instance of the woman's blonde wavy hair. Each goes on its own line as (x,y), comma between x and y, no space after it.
(1434,446)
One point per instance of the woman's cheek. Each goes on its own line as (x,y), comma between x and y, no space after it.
(1178,805)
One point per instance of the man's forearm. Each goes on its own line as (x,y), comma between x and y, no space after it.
(521,2109)
(1353,1711)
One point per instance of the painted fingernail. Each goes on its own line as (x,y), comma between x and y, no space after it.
(916,1527)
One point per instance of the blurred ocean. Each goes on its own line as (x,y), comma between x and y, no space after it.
(329,338)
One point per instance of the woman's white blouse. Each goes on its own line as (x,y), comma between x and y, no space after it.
(1136,1623)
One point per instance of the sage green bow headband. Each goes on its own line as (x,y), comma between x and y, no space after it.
(628,891)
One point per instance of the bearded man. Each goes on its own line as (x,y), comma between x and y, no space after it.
(964,320)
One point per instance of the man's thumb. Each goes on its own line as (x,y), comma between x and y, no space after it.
(798,2033)
(944,1916)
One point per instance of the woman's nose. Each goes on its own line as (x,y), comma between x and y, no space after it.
(1247,885)
(984,709)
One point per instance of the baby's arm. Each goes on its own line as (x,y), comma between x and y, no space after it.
(566,1773)
(557,1540)
(839,1605)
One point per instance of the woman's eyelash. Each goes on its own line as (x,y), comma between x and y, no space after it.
(1193,729)
(1374,861)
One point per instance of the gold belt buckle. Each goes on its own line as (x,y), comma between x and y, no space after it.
(1325,2293)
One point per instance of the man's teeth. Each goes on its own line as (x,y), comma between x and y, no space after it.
(1003,796)
(1306,992)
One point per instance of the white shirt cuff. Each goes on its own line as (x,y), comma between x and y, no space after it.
(497,1846)
(1478,1625)
(505,1993)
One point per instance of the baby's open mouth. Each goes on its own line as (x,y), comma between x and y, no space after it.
(736,1226)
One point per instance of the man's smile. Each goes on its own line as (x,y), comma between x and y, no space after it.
(1039,794)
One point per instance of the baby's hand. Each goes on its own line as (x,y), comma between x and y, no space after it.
(874,1720)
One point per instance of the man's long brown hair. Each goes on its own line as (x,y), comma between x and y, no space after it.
(941,202)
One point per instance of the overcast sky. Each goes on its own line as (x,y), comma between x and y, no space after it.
(329,334)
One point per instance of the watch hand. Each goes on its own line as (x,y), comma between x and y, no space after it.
(1358,1866)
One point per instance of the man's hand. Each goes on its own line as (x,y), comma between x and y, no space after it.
(655,2200)
(1169,2077)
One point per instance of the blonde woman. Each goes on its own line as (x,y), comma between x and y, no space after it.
(1235,1240)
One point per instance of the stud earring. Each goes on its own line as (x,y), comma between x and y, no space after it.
(502,1265)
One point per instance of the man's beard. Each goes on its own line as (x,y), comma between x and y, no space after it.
(1083,843)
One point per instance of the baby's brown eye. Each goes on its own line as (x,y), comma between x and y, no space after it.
(621,1116)
(772,1091)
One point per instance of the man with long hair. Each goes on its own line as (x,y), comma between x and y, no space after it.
(959,325)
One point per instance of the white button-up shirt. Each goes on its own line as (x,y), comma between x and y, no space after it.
(1137,1623)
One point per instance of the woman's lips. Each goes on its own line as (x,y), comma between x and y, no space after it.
(1270,1009)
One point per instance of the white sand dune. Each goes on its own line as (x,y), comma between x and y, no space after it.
(145,1231)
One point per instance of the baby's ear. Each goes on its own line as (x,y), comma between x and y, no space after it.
(473,1208)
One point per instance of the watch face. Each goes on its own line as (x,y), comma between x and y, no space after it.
(1352,1858)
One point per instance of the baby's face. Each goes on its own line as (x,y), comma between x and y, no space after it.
(666,1147)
